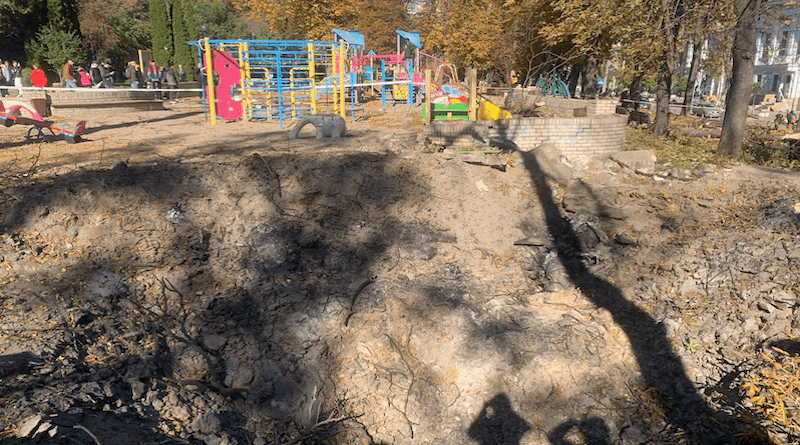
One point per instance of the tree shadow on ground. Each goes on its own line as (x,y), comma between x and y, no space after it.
(154,310)
(686,412)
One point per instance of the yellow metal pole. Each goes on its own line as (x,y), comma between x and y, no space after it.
(311,75)
(212,102)
(291,93)
(341,80)
(244,75)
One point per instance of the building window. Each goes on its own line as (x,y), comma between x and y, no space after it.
(783,43)
(797,42)
(776,80)
(765,45)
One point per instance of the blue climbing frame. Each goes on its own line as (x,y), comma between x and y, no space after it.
(285,79)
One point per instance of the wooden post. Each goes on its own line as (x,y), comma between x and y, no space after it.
(428,97)
(473,94)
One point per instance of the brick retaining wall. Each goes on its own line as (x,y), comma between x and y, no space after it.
(532,96)
(593,106)
(591,136)
(86,100)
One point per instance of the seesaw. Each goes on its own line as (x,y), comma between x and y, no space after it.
(40,127)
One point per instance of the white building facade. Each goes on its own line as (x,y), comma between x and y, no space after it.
(778,58)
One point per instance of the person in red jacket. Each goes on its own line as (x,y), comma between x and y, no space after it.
(38,77)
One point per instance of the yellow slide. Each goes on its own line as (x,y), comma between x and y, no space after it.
(488,111)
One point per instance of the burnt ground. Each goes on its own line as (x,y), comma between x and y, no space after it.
(169,281)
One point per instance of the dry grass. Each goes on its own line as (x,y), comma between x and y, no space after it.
(761,146)
(772,395)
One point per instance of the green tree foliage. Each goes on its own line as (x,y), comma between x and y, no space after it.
(216,20)
(114,28)
(161,32)
(55,46)
(63,14)
(183,52)
(25,22)
(132,28)
(191,21)
(265,33)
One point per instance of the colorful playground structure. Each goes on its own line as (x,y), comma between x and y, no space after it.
(41,130)
(286,80)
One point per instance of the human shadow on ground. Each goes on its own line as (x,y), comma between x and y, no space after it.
(591,430)
(686,412)
(498,424)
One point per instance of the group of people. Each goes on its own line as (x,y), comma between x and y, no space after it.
(157,77)
(99,75)
(10,75)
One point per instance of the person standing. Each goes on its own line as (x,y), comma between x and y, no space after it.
(3,91)
(7,75)
(107,75)
(84,77)
(66,74)
(181,73)
(199,75)
(38,76)
(16,74)
(169,78)
(139,75)
(94,74)
(130,74)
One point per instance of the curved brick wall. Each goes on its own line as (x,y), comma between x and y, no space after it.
(87,100)
(590,136)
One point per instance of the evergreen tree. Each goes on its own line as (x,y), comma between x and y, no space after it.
(62,15)
(55,46)
(183,52)
(50,30)
(191,21)
(160,32)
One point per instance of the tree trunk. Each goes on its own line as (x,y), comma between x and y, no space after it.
(688,95)
(669,64)
(738,97)
(574,76)
(589,85)
(661,125)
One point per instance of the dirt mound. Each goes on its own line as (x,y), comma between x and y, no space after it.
(169,281)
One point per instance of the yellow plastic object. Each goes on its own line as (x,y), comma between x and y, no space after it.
(488,111)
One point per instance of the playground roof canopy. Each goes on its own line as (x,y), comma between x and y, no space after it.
(352,37)
(411,36)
